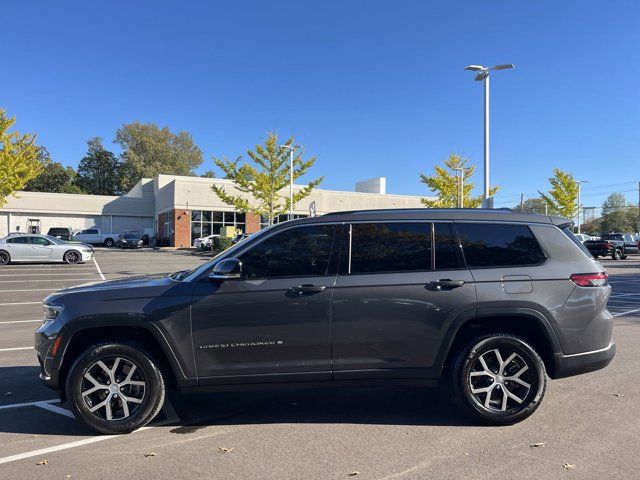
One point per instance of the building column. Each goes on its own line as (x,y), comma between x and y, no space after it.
(252,223)
(182,228)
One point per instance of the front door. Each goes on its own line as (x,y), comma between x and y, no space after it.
(403,284)
(42,249)
(274,320)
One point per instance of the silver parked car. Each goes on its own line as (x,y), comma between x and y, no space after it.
(42,248)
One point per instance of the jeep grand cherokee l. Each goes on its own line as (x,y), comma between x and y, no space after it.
(490,301)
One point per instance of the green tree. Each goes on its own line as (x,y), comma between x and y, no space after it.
(262,187)
(18,158)
(532,205)
(562,199)
(99,170)
(149,150)
(209,174)
(617,216)
(54,177)
(445,183)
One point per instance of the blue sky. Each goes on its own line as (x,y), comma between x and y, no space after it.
(371,88)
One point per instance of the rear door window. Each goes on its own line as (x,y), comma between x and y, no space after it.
(390,247)
(21,240)
(498,245)
(447,255)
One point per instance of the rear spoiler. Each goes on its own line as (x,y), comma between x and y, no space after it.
(564,225)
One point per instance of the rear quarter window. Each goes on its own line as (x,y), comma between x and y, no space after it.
(487,245)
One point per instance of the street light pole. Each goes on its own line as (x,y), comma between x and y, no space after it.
(483,76)
(461,194)
(291,149)
(580,182)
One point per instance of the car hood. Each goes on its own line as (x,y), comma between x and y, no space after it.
(141,281)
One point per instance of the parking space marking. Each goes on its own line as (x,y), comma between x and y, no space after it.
(14,349)
(98,268)
(31,290)
(626,313)
(27,404)
(20,303)
(19,321)
(43,274)
(49,280)
(54,408)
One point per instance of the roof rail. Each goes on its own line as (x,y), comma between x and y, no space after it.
(420,210)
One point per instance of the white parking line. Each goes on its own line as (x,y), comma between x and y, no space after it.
(49,280)
(27,404)
(54,409)
(43,274)
(19,321)
(98,268)
(30,290)
(15,349)
(20,303)
(627,312)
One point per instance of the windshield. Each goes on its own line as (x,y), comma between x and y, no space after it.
(55,240)
(129,236)
(188,275)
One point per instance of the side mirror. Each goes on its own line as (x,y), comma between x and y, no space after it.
(226,269)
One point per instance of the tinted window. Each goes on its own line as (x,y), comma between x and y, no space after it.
(567,231)
(92,232)
(296,252)
(58,231)
(612,236)
(447,250)
(496,245)
(390,247)
(40,241)
(18,240)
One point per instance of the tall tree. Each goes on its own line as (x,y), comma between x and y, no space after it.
(615,215)
(54,177)
(562,199)
(149,150)
(445,183)
(263,186)
(532,205)
(18,158)
(99,171)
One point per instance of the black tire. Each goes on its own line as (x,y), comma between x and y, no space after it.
(498,411)
(73,257)
(5,258)
(147,371)
(624,257)
(109,242)
(617,254)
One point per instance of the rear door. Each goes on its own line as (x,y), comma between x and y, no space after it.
(19,248)
(400,286)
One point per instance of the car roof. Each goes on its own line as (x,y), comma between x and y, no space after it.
(474,214)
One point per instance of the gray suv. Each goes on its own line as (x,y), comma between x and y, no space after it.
(490,301)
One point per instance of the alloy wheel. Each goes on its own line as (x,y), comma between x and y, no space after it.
(73,257)
(4,258)
(113,388)
(500,380)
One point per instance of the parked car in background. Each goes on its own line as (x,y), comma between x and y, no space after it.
(42,248)
(95,236)
(204,242)
(240,237)
(489,301)
(63,233)
(130,239)
(582,237)
(615,245)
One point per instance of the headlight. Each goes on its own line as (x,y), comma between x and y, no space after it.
(87,250)
(51,312)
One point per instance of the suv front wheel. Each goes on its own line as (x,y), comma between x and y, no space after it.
(499,379)
(115,387)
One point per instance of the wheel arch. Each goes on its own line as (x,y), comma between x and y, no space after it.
(530,325)
(152,341)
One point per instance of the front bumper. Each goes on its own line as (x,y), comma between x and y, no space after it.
(576,364)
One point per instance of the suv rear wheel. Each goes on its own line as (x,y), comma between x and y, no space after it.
(115,387)
(499,379)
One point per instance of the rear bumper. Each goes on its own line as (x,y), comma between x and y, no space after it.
(576,364)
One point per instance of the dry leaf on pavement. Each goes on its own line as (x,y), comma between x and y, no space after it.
(537,445)
(569,466)
(354,473)
(151,454)
(44,461)
(618,394)
(224,450)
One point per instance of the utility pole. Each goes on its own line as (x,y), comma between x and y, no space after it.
(638,229)
(580,182)
(291,149)
(521,201)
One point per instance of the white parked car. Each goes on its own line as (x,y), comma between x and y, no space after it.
(583,237)
(42,248)
(204,242)
(95,236)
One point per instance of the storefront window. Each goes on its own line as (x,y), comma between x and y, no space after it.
(208,222)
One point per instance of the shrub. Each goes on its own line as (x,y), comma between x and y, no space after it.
(218,244)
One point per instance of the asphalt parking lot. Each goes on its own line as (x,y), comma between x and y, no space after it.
(587,426)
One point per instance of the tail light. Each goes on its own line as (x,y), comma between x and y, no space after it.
(607,245)
(590,279)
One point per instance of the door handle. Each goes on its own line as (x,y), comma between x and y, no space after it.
(444,284)
(301,289)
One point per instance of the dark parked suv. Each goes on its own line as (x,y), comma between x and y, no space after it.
(491,301)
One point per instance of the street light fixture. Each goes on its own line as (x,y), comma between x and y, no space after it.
(291,149)
(483,76)
(580,182)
